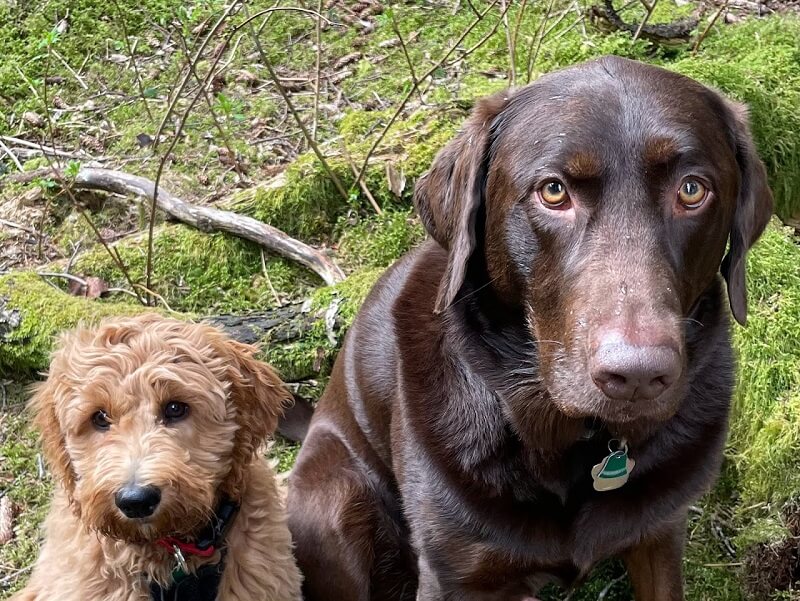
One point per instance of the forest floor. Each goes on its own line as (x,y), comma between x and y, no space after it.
(251,106)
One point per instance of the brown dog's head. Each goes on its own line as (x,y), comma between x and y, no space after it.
(145,421)
(601,200)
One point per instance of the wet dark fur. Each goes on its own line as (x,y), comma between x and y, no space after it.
(450,455)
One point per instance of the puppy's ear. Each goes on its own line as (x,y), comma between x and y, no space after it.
(449,195)
(43,406)
(753,211)
(259,397)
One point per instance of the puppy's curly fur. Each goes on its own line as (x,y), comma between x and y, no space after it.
(130,369)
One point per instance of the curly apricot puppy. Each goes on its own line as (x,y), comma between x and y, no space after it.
(152,427)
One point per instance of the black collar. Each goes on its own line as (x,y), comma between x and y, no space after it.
(203,583)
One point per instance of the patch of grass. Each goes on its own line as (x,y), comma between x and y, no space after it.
(20,482)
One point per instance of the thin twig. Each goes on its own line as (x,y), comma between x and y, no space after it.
(224,134)
(713,20)
(317,81)
(409,62)
(512,68)
(188,76)
(268,279)
(413,89)
(649,7)
(137,76)
(361,183)
(533,55)
(77,77)
(290,105)
(17,226)
(11,155)
(514,37)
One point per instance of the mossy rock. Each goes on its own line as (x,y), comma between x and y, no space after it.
(43,312)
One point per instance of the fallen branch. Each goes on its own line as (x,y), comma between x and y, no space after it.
(208,219)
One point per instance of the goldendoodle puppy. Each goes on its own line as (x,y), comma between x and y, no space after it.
(152,428)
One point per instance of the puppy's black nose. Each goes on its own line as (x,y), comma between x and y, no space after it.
(626,372)
(137,501)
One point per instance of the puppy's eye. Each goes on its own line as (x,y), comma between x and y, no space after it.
(100,420)
(554,194)
(692,193)
(175,411)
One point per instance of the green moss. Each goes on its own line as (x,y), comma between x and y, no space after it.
(758,62)
(20,481)
(44,312)
(765,429)
(283,453)
(313,355)
(380,240)
(203,273)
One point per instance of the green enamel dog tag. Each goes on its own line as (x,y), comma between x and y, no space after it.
(613,471)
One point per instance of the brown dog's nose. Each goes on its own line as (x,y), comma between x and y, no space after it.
(628,372)
(137,501)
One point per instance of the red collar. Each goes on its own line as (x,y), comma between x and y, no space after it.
(209,538)
(170,542)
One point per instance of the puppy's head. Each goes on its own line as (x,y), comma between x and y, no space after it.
(145,421)
(600,201)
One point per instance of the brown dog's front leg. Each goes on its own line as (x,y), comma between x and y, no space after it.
(654,565)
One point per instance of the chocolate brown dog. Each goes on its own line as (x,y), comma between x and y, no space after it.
(546,383)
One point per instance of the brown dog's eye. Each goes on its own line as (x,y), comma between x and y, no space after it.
(174,411)
(100,420)
(692,194)
(554,194)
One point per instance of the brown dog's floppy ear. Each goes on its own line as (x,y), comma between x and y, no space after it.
(259,397)
(54,448)
(753,211)
(449,195)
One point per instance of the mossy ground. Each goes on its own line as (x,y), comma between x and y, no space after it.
(757,62)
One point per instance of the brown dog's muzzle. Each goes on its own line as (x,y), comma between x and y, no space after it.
(625,369)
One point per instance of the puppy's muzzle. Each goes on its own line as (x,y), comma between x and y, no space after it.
(137,502)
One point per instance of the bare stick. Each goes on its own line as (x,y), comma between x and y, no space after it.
(207,219)
(77,77)
(413,89)
(514,37)
(317,69)
(11,155)
(290,105)
(650,8)
(512,68)
(713,20)
(534,54)
(138,77)
(224,134)
(188,76)
(362,184)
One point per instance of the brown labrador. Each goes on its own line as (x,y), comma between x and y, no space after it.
(568,307)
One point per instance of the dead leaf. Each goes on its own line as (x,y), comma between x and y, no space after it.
(94,287)
(397,179)
(346,60)
(6,519)
(32,119)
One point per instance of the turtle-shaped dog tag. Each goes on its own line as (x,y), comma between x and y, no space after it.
(613,471)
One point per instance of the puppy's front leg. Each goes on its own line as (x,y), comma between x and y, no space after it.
(654,565)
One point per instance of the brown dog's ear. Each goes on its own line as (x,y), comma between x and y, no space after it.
(259,397)
(54,448)
(753,211)
(449,195)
